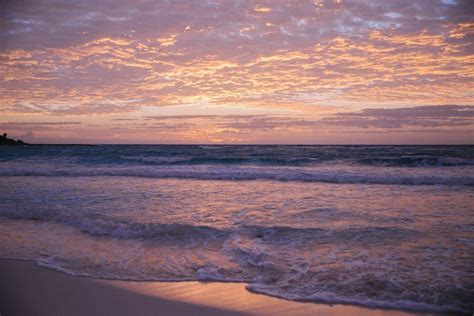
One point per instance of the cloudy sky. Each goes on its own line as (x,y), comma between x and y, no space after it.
(238,71)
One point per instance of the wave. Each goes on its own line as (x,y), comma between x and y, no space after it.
(177,155)
(190,160)
(257,255)
(100,225)
(209,273)
(348,176)
(333,298)
(427,161)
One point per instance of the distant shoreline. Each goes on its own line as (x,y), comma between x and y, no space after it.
(5,141)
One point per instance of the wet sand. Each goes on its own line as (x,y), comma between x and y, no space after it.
(28,289)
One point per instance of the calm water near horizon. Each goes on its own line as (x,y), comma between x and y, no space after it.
(378,226)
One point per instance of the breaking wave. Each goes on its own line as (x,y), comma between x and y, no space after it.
(258,255)
(353,176)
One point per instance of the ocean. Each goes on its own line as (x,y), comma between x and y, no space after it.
(377,226)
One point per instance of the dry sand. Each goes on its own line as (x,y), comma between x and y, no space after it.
(27,289)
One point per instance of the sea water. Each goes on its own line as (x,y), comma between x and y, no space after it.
(378,226)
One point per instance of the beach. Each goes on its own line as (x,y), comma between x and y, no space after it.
(28,289)
(387,227)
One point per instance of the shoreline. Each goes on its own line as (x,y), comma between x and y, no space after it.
(28,289)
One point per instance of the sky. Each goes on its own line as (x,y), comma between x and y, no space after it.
(238,72)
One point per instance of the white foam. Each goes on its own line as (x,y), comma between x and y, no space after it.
(400,176)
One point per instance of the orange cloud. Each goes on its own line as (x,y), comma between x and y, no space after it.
(303,59)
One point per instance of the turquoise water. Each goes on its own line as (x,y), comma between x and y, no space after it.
(385,226)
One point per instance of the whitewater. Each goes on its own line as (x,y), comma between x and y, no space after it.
(377,226)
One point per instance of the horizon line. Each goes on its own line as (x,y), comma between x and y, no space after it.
(240,144)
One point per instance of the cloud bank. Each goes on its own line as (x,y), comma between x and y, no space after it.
(321,61)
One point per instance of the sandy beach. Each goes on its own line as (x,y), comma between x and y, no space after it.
(28,289)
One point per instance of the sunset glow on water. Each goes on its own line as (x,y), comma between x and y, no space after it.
(381,226)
